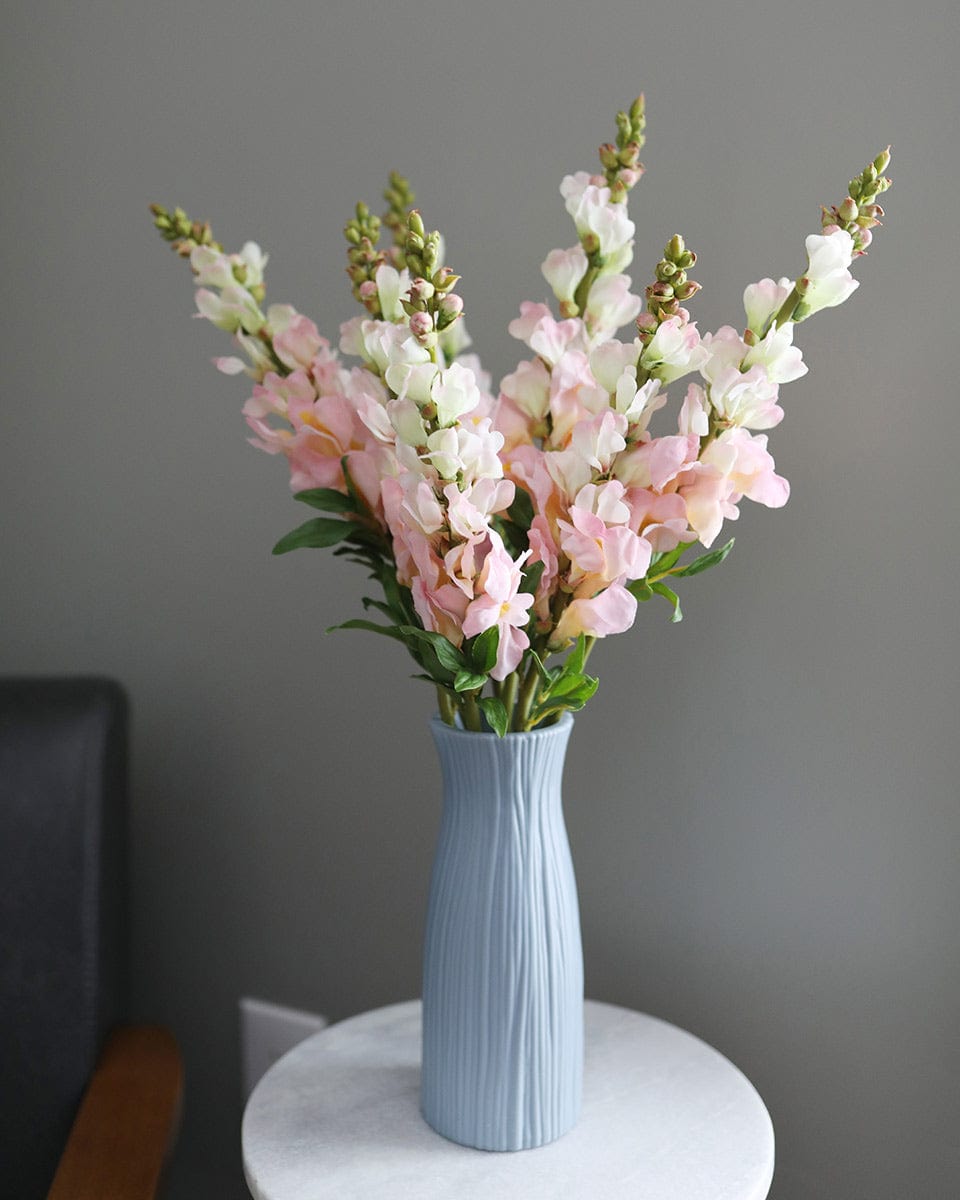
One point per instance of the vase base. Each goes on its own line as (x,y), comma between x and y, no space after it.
(486,1140)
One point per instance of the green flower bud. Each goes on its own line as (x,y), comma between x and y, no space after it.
(882,161)
(608,157)
(848,210)
(674,248)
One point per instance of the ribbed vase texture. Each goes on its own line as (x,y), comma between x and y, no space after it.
(503,965)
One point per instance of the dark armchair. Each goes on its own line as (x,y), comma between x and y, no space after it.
(88,1107)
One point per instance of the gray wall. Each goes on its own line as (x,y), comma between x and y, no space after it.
(762,801)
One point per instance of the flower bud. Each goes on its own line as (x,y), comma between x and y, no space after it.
(660,291)
(608,157)
(451,305)
(848,210)
(421,290)
(590,243)
(415,223)
(882,161)
(445,279)
(687,289)
(675,247)
(421,325)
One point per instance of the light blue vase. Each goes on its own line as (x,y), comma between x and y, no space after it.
(503,964)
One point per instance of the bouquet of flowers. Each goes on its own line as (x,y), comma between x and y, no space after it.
(509,530)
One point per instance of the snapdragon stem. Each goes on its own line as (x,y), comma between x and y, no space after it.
(508,692)
(785,311)
(448,707)
(471,713)
(528,692)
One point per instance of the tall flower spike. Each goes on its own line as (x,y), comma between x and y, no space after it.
(431,303)
(621,163)
(671,289)
(362,232)
(400,199)
(183,234)
(859,213)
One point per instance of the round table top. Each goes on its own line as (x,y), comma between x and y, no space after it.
(665,1117)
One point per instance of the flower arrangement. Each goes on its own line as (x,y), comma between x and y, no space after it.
(509,531)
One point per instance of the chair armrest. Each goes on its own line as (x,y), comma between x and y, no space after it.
(127,1120)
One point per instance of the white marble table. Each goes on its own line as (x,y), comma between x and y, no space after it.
(665,1117)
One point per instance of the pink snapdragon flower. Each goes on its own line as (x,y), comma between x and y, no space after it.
(546,336)
(612,611)
(598,541)
(574,396)
(499,602)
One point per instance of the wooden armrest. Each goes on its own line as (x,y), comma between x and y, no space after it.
(127,1120)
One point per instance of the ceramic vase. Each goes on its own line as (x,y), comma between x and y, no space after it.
(503,965)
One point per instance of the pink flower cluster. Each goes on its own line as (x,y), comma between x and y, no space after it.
(438,459)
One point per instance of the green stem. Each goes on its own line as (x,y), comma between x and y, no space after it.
(448,707)
(528,692)
(785,311)
(471,713)
(582,293)
(508,694)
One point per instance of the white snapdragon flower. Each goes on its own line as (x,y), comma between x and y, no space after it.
(674,350)
(454,392)
(828,281)
(407,424)
(391,285)
(593,213)
(563,270)
(384,345)
(610,305)
(761,300)
(412,380)
(232,310)
(468,451)
(637,404)
(608,360)
(529,389)
(776,353)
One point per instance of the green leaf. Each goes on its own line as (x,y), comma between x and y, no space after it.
(531,578)
(448,655)
(568,684)
(369,602)
(662,590)
(577,657)
(390,631)
(664,562)
(496,713)
(482,650)
(704,561)
(319,532)
(326,499)
(640,589)
(520,511)
(359,505)
(545,675)
(468,681)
